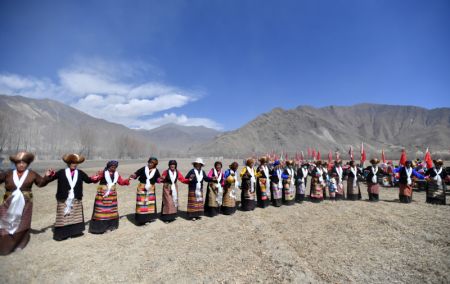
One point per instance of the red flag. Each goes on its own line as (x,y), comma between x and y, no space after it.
(428,159)
(350,153)
(313,153)
(403,158)
(318,155)
(363,154)
(330,157)
(383,158)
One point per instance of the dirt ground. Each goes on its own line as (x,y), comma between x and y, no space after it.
(358,242)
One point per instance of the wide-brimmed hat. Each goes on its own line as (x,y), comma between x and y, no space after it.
(249,161)
(263,159)
(198,161)
(26,157)
(438,162)
(73,159)
(374,161)
(338,161)
(318,163)
(289,162)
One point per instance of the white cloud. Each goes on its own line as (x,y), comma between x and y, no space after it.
(177,119)
(117,92)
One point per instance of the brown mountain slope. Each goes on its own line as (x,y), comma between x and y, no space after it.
(331,128)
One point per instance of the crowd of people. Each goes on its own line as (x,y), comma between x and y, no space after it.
(263,182)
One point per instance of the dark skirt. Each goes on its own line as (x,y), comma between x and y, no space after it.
(212,211)
(102,226)
(435,194)
(405,193)
(299,198)
(405,198)
(373,197)
(353,197)
(261,193)
(248,198)
(69,231)
(248,205)
(70,225)
(227,210)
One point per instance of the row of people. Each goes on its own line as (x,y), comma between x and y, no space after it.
(270,183)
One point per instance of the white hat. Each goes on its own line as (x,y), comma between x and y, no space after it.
(198,161)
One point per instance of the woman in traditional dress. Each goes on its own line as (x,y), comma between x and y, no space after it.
(373,189)
(263,183)
(248,194)
(317,182)
(17,207)
(105,216)
(353,188)
(196,177)
(169,178)
(145,193)
(302,174)
(289,184)
(214,192)
(230,190)
(436,183)
(338,174)
(276,181)
(69,194)
(405,181)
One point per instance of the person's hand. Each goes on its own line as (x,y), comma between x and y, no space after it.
(50,172)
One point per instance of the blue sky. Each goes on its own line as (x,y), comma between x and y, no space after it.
(222,63)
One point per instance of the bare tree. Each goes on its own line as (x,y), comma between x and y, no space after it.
(86,141)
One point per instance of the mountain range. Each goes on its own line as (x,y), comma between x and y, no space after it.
(50,129)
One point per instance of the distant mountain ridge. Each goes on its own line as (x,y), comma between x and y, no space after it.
(50,129)
(336,128)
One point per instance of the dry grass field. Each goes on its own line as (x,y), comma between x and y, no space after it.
(342,242)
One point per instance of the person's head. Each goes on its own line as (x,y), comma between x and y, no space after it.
(319,164)
(198,163)
(112,166)
(289,163)
(173,165)
(276,164)
(234,166)
(305,166)
(152,162)
(22,160)
(438,163)
(338,163)
(374,162)
(250,162)
(263,160)
(73,160)
(218,165)
(408,164)
(352,163)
